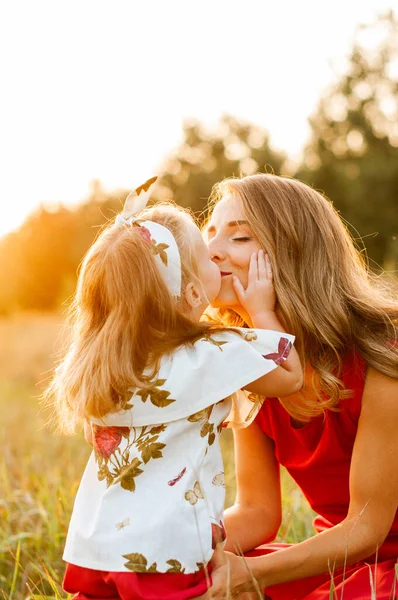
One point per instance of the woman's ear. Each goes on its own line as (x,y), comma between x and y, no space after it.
(193,295)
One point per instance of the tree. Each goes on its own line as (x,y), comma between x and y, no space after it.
(353,151)
(39,262)
(235,148)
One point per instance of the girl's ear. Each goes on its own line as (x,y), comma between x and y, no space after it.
(193,295)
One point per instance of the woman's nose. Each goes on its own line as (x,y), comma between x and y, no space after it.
(215,251)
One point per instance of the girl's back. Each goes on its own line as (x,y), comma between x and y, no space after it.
(152,495)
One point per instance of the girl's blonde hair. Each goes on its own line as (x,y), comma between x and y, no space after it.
(123,320)
(326,295)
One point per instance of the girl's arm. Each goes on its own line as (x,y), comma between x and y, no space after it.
(258,301)
(373,504)
(256,515)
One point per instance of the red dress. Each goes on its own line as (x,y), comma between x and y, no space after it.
(317,456)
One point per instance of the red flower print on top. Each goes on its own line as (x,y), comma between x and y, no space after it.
(284,347)
(145,234)
(107,439)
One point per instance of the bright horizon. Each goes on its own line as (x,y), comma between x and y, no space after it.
(100,91)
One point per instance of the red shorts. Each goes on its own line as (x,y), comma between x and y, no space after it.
(89,584)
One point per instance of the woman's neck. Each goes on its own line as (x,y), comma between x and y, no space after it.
(243,315)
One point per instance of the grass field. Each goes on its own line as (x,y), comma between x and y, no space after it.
(40,472)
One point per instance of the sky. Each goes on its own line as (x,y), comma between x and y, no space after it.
(100,90)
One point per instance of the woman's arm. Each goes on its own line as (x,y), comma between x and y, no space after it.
(373,504)
(256,515)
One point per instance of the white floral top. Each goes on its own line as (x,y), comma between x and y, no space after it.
(152,496)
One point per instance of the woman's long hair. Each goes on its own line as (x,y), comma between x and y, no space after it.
(326,295)
(123,320)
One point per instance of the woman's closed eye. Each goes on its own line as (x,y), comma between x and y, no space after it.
(242,239)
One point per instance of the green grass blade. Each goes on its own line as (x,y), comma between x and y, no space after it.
(16,569)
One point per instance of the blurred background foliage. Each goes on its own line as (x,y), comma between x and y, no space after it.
(351,156)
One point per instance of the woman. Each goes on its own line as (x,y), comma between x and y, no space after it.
(338,436)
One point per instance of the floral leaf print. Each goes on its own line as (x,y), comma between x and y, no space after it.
(176,479)
(281,355)
(138,563)
(104,473)
(219,479)
(160,249)
(159,398)
(207,338)
(143,394)
(118,467)
(206,429)
(107,439)
(250,336)
(128,473)
(200,565)
(175,566)
(199,416)
(257,403)
(145,438)
(158,429)
(192,496)
(152,451)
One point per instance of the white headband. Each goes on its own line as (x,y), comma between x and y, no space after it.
(163,244)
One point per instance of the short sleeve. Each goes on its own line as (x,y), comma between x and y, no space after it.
(244,409)
(197,376)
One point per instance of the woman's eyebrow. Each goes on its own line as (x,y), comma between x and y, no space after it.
(212,229)
(236,223)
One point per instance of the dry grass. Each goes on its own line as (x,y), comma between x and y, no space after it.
(40,472)
(28,344)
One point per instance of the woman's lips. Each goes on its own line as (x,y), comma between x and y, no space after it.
(225,274)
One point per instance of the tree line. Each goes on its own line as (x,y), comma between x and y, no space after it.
(351,157)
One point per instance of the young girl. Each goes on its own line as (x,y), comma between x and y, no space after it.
(154,385)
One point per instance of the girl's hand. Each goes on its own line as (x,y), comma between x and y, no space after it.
(259,296)
(231,577)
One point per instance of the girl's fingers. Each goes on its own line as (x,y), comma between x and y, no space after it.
(253,268)
(262,266)
(238,288)
(268,267)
